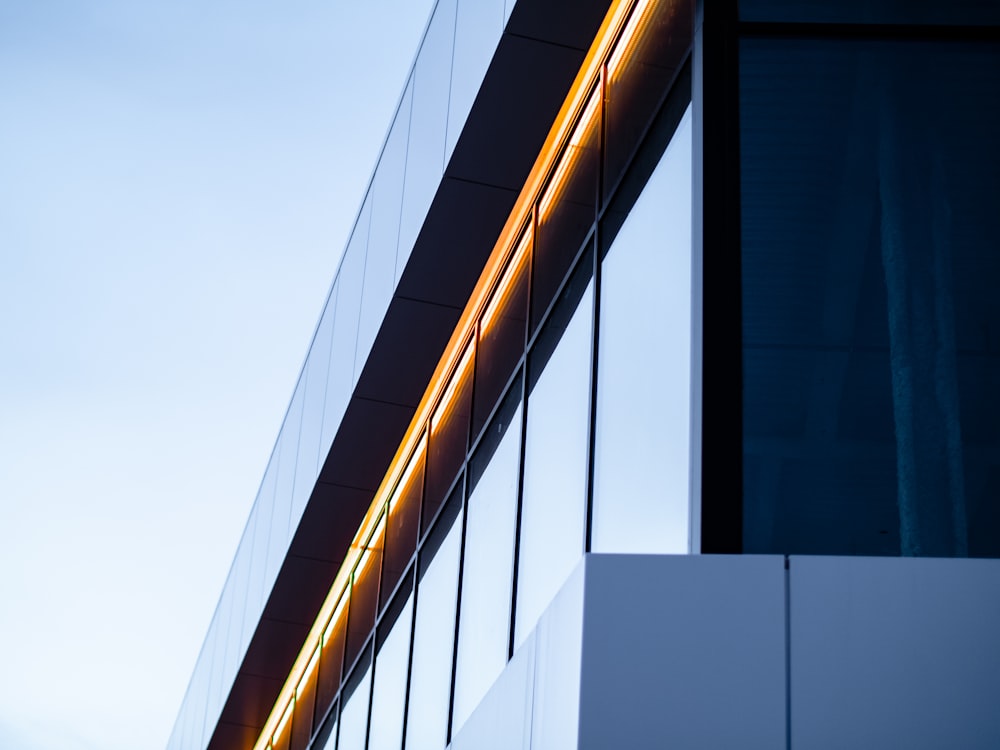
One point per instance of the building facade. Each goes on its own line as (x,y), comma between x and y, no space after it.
(653,403)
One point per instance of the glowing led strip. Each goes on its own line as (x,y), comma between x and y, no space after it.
(460,345)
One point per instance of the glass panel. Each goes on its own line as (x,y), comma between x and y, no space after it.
(364,594)
(487,574)
(316,371)
(645,61)
(502,334)
(327,737)
(331,658)
(553,507)
(428,127)
(350,279)
(870,315)
(261,544)
(389,693)
(566,210)
(433,641)
(305,706)
(240,584)
(282,522)
(873,11)
(404,514)
(331,417)
(380,262)
(449,439)
(477,32)
(641,493)
(354,717)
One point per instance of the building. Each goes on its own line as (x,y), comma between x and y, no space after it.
(654,400)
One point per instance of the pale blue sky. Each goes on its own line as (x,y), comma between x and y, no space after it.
(177,180)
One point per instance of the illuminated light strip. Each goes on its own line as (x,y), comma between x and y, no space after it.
(341,606)
(502,292)
(550,151)
(570,155)
(410,468)
(444,406)
(285,718)
(310,668)
(628,38)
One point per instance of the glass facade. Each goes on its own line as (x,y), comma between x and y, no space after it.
(870,168)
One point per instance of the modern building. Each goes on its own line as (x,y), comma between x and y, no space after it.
(654,403)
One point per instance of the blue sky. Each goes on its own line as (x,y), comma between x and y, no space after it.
(177,180)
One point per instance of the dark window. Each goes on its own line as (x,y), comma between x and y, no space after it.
(871,322)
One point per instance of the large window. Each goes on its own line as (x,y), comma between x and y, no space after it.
(871,323)
(642,453)
(554,499)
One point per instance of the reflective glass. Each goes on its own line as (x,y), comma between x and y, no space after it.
(389,691)
(433,642)
(316,370)
(350,279)
(380,261)
(873,11)
(327,737)
(645,61)
(329,420)
(364,594)
(261,545)
(553,505)
(240,584)
(502,334)
(871,323)
(331,658)
(282,522)
(305,708)
(477,32)
(428,127)
(642,447)
(449,436)
(354,717)
(567,209)
(487,575)
(404,514)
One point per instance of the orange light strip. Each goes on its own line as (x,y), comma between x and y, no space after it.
(501,294)
(570,156)
(449,363)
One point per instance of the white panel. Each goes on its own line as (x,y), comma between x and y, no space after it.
(683,651)
(895,652)
(502,721)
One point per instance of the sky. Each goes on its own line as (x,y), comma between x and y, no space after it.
(177,182)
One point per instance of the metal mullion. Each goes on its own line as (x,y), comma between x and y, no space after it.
(458,604)
(515,567)
(595,323)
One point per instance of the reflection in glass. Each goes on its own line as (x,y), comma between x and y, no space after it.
(871,360)
(281,740)
(332,656)
(501,333)
(389,692)
(567,208)
(646,59)
(478,26)
(644,368)
(305,705)
(364,593)
(433,641)
(428,127)
(487,576)
(404,512)
(553,506)
(380,260)
(449,435)
(354,717)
